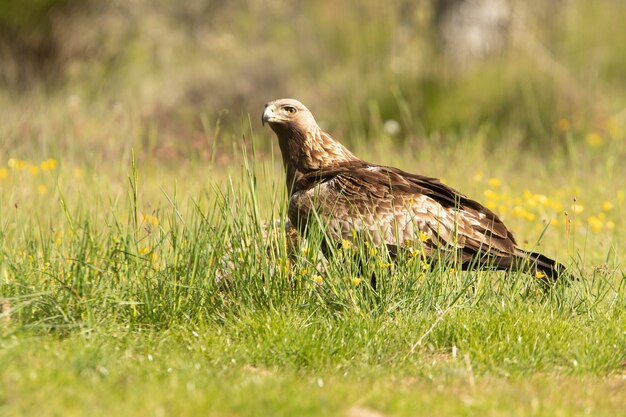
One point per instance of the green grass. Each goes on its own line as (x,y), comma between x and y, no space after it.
(155,291)
(137,272)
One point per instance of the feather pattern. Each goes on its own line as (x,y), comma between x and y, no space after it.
(386,205)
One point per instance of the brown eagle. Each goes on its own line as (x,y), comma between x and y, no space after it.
(328,183)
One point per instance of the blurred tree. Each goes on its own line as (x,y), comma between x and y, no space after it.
(28,46)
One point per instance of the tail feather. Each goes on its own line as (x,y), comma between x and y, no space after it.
(539,265)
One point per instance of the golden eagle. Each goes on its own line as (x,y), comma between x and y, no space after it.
(351,197)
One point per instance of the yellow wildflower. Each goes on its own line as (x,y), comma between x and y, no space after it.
(346,244)
(595,224)
(519,212)
(3,173)
(607,206)
(492,195)
(41,189)
(539,275)
(494,182)
(356,281)
(33,170)
(594,139)
(17,163)
(577,208)
(48,165)
(149,218)
(317,279)
(423,236)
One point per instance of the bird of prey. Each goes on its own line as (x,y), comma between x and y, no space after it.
(328,183)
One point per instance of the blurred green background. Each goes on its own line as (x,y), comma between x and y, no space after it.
(539,72)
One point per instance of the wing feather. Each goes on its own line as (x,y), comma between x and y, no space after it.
(394,207)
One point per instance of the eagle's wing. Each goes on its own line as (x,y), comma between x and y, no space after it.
(397,208)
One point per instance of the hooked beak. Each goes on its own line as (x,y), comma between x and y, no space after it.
(268,114)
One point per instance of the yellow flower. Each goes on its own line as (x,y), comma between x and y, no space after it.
(48,165)
(41,189)
(577,208)
(33,170)
(144,250)
(494,182)
(540,198)
(492,195)
(423,236)
(594,139)
(346,244)
(519,212)
(539,275)
(3,173)
(356,281)
(149,218)
(607,206)
(318,279)
(17,163)
(595,224)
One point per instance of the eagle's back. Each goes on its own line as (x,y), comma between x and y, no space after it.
(389,206)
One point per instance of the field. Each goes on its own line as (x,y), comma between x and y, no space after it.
(144,269)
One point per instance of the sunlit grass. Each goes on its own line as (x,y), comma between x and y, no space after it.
(190,266)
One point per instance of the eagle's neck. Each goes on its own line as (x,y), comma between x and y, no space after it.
(309,151)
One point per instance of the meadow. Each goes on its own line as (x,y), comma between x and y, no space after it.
(145,269)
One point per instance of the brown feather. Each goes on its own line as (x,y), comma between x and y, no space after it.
(385,204)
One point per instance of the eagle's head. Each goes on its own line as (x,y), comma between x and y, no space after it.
(288,114)
(305,148)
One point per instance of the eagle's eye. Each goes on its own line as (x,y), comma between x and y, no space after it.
(290,110)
